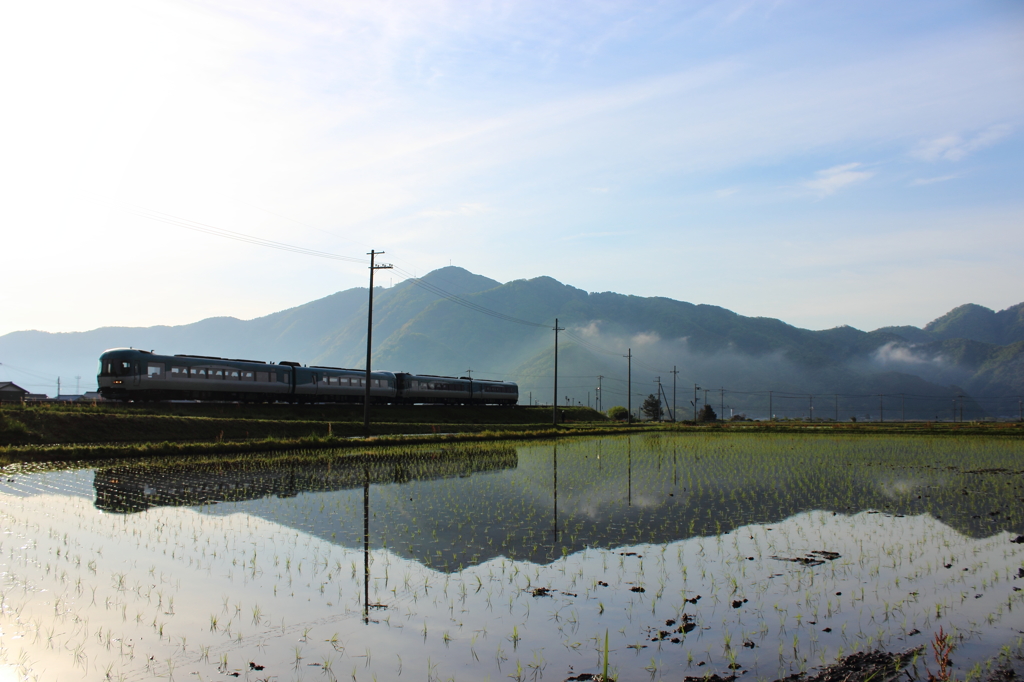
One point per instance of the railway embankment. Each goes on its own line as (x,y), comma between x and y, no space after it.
(48,424)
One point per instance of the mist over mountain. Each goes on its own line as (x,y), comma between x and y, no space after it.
(971,350)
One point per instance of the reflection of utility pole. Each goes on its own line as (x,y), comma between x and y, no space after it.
(369,336)
(629,386)
(554,476)
(366,544)
(554,398)
(629,471)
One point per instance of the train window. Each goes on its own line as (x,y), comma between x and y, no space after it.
(376,383)
(234,374)
(198,373)
(262,376)
(216,374)
(247,375)
(154,370)
(178,372)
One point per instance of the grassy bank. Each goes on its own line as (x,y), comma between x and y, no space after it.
(193,422)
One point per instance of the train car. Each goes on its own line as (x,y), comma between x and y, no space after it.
(441,390)
(133,374)
(490,392)
(340,385)
(433,390)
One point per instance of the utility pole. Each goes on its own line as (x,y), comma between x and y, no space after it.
(837,407)
(961,408)
(469,372)
(657,380)
(810,399)
(771,415)
(695,389)
(554,397)
(600,394)
(629,386)
(369,335)
(672,412)
(58,387)
(674,373)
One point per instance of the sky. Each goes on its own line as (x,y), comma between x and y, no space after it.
(824,163)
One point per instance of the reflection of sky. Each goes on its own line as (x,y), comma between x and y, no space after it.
(154,580)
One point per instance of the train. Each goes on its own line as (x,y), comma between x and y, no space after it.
(130,374)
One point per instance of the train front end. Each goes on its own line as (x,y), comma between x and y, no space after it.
(120,372)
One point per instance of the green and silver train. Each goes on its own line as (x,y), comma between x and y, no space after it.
(131,374)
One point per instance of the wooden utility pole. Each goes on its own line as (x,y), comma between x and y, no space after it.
(674,373)
(629,386)
(554,399)
(369,335)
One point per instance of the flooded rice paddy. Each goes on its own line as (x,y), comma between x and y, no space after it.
(749,555)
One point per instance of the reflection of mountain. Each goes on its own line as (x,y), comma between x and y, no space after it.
(127,489)
(611,492)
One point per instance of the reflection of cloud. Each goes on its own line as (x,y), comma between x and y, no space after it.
(832,179)
(900,488)
(954,147)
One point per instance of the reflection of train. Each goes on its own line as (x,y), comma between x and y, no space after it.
(129,489)
(130,374)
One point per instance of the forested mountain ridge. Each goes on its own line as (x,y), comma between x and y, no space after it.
(970,350)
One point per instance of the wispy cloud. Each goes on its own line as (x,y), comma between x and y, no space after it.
(460,210)
(831,180)
(931,181)
(591,235)
(954,147)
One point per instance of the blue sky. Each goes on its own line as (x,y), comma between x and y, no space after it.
(824,163)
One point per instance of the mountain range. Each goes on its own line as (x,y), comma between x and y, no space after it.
(454,322)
